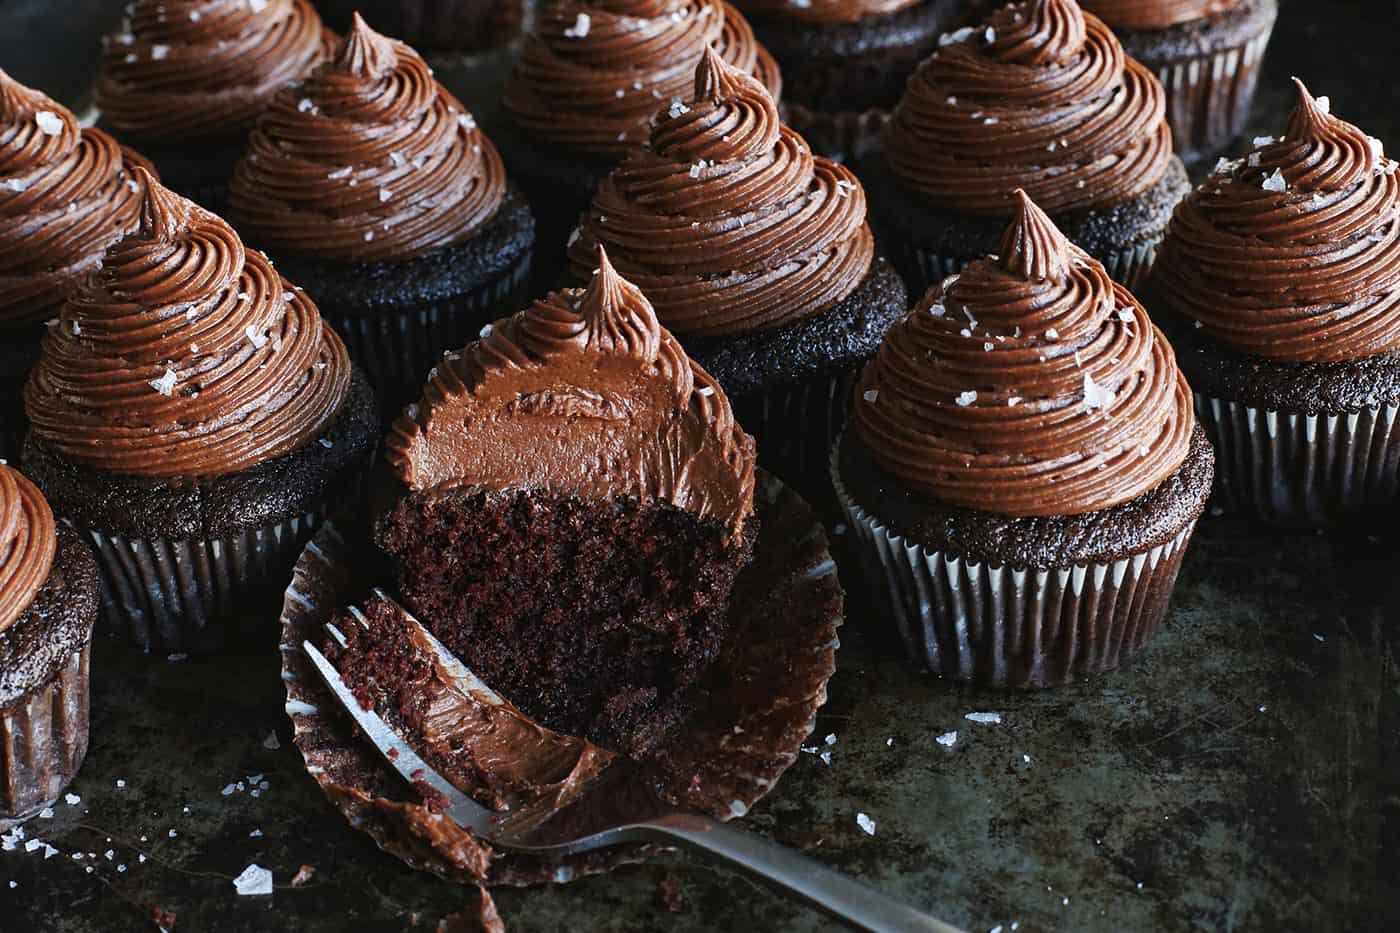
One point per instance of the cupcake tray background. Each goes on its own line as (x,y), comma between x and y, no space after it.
(1244,773)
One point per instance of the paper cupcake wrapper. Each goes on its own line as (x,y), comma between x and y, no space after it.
(1301,469)
(794,426)
(845,136)
(921,269)
(1010,627)
(43,738)
(1208,99)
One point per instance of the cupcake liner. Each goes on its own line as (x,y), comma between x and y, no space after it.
(1304,469)
(1208,98)
(844,136)
(1011,627)
(794,426)
(43,738)
(1128,267)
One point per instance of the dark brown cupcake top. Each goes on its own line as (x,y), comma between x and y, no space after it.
(584,393)
(1155,14)
(191,69)
(824,11)
(1292,253)
(727,221)
(183,355)
(28,540)
(1040,96)
(367,160)
(1030,384)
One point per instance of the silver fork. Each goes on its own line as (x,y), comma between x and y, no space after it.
(618,807)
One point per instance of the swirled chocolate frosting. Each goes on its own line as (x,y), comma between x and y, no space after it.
(28,542)
(183,355)
(367,160)
(1040,96)
(727,221)
(592,74)
(584,393)
(65,195)
(825,11)
(182,70)
(1030,384)
(1292,253)
(1155,14)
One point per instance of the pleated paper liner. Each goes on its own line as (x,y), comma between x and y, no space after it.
(43,738)
(794,426)
(768,683)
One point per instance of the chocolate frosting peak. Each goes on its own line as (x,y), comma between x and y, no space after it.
(825,11)
(1292,253)
(28,542)
(1046,32)
(1030,384)
(365,53)
(584,393)
(183,355)
(1156,14)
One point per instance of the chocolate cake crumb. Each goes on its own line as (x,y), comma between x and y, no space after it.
(670,895)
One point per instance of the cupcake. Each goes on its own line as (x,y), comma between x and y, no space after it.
(756,253)
(1279,283)
(1207,54)
(371,186)
(194,419)
(1022,467)
(1040,96)
(48,604)
(184,81)
(441,28)
(65,195)
(577,500)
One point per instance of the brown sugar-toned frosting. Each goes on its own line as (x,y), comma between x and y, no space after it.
(1155,14)
(825,11)
(1030,384)
(728,222)
(28,542)
(592,74)
(1292,253)
(369,159)
(584,393)
(184,355)
(189,69)
(65,195)
(1041,96)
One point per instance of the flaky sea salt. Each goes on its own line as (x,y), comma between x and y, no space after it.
(255,337)
(866,824)
(50,124)
(580,27)
(986,719)
(1274,182)
(965,399)
(870,395)
(1095,395)
(165,385)
(947,739)
(158,52)
(254,881)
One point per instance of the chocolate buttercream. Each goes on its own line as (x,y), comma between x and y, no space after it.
(825,11)
(28,542)
(1155,14)
(1292,253)
(193,69)
(584,393)
(1040,96)
(183,355)
(1030,384)
(367,160)
(592,74)
(727,221)
(66,194)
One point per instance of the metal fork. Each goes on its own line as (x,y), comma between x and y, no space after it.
(618,807)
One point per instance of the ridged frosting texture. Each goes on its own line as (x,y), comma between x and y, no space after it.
(584,393)
(825,11)
(28,542)
(178,70)
(66,194)
(1156,14)
(367,160)
(184,355)
(592,75)
(727,221)
(1040,96)
(1030,384)
(1292,253)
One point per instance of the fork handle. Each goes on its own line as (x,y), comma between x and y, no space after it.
(855,902)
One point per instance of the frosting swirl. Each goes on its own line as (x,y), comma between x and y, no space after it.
(727,221)
(592,74)
(1155,14)
(28,542)
(65,195)
(1030,384)
(367,160)
(825,11)
(184,355)
(1041,97)
(189,69)
(584,393)
(1292,253)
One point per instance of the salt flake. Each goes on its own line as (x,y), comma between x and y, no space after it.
(866,824)
(1095,395)
(255,880)
(965,399)
(580,27)
(947,739)
(986,719)
(50,124)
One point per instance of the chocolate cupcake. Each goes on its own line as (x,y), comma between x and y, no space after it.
(1279,283)
(372,187)
(193,417)
(577,501)
(441,29)
(184,81)
(1207,54)
(66,194)
(757,255)
(1040,96)
(1023,469)
(48,604)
